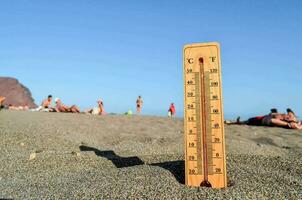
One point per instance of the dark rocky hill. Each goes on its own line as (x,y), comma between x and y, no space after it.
(16,94)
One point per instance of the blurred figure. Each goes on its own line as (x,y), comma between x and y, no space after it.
(291,116)
(2,99)
(101,107)
(99,110)
(171,111)
(60,107)
(12,107)
(274,110)
(274,118)
(46,105)
(139,104)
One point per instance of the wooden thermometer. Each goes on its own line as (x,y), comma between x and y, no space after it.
(203,127)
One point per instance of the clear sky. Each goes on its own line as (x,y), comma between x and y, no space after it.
(116,50)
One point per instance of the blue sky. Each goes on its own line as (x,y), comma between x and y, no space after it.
(116,50)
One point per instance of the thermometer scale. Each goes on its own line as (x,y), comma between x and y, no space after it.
(205,163)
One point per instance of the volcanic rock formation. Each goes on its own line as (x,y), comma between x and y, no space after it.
(16,94)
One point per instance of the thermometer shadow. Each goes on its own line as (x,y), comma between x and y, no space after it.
(118,161)
(177,168)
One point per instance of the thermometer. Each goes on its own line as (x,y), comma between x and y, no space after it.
(205,163)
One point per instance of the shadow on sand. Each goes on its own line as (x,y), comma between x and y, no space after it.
(117,160)
(177,168)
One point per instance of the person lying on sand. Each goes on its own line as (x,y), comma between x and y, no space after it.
(12,107)
(97,110)
(258,120)
(60,107)
(292,116)
(292,119)
(288,120)
(272,119)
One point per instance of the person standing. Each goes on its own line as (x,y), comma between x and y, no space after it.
(139,104)
(172,110)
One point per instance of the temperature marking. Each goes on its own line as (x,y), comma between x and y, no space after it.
(204,131)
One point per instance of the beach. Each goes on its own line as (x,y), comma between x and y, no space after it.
(78,156)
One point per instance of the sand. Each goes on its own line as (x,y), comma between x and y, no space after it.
(77,156)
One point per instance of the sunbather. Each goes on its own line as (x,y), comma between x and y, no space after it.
(294,125)
(292,116)
(273,119)
(12,107)
(60,107)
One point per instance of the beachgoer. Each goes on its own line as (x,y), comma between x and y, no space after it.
(2,99)
(46,103)
(294,125)
(172,110)
(139,104)
(12,107)
(97,110)
(254,121)
(288,120)
(274,110)
(291,116)
(265,120)
(272,119)
(101,107)
(60,107)
(26,107)
(292,120)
